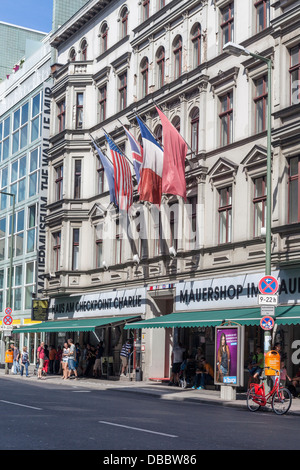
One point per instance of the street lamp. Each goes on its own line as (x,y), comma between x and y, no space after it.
(238,50)
(9,298)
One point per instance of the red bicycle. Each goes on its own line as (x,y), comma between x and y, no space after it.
(280,398)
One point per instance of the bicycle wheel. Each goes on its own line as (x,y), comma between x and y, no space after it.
(252,403)
(281,401)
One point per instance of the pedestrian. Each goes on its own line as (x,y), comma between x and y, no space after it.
(57,364)
(64,360)
(16,364)
(78,354)
(90,359)
(124,356)
(52,354)
(177,359)
(206,376)
(46,360)
(72,358)
(24,361)
(97,369)
(283,375)
(40,359)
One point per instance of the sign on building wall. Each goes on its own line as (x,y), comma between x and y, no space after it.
(119,302)
(39,311)
(43,190)
(234,292)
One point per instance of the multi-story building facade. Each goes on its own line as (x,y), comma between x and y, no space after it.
(116,60)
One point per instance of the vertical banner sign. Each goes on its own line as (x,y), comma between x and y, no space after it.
(229,351)
(43,190)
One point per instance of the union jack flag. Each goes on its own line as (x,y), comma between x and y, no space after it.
(123,177)
(136,152)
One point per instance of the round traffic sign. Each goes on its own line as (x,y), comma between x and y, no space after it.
(7,320)
(267,323)
(268,285)
(8,311)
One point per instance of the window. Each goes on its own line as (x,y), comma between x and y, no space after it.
(100,173)
(20,128)
(157,239)
(174,225)
(5,143)
(4,183)
(18,179)
(227,24)
(194,130)
(72,55)
(124,22)
(294,206)
(34,172)
(59,182)
(19,227)
(122,91)
(158,134)
(144,74)
(118,243)
(226,118)
(1,288)
(103,37)
(295,74)
(17,287)
(29,283)
(56,246)
(99,245)
(3,235)
(225,214)
(196,44)
(75,249)
(36,117)
(259,202)
(77,179)
(192,215)
(79,110)
(102,102)
(262,14)
(61,116)
(160,60)
(146,9)
(261,103)
(31,228)
(83,53)
(177,51)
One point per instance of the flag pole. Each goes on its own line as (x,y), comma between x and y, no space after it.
(117,146)
(192,151)
(94,142)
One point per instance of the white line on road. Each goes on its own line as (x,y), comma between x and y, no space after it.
(137,429)
(19,404)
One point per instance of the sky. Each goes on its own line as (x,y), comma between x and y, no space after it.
(34,14)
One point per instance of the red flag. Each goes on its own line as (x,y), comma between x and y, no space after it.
(175,149)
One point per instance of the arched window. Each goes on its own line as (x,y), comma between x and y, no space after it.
(144,75)
(176,123)
(177,51)
(158,134)
(194,120)
(103,37)
(124,22)
(72,55)
(196,44)
(83,47)
(160,60)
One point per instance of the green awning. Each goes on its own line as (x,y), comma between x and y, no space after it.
(284,315)
(80,324)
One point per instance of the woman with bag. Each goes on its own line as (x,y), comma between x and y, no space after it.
(24,361)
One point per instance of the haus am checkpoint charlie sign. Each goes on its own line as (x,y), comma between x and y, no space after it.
(234,292)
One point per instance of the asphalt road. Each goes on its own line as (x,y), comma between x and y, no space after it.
(41,417)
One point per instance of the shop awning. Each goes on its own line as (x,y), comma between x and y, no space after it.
(284,315)
(80,324)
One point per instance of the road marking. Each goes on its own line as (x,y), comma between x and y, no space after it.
(137,429)
(19,404)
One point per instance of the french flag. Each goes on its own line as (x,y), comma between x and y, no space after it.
(136,153)
(150,187)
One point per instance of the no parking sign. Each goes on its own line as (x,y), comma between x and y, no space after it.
(267,323)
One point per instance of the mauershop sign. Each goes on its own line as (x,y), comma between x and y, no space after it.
(119,302)
(235,291)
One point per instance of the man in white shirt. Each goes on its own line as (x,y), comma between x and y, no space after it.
(177,359)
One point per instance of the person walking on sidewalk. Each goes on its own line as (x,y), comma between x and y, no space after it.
(72,358)
(124,356)
(40,359)
(24,362)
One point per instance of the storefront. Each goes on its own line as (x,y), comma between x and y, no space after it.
(201,305)
(90,319)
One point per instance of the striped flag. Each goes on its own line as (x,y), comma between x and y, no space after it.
(123,177)
(136,152)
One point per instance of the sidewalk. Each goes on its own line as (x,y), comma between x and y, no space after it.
(154,389)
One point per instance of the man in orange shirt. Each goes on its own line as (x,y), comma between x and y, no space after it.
(206,375)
